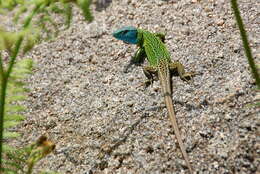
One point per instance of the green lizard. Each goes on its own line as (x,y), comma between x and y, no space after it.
(160,64)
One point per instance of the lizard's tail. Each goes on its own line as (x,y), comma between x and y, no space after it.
(169,105)
(166,88)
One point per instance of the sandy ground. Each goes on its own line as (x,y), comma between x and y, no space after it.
(103,121)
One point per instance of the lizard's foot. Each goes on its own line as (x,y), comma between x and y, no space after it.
(179,68)
(187,76)
(146,84)
(149,72)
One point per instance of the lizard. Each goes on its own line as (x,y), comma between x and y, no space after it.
(152,47)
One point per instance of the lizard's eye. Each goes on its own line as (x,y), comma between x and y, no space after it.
(124,32)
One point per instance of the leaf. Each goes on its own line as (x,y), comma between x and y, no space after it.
(13,98)
(14,108)
(7,148)
(84,5)
(16,117)
(10,134)
(9,124)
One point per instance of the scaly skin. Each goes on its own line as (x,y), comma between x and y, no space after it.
(151,46)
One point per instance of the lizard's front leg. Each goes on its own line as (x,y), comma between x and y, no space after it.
(149,72)
(179,68)
(138,58)
(161,36)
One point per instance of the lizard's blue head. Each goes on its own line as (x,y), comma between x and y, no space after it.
(127,34)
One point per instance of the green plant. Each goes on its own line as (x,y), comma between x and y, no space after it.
(245,42)
(15,93)
(36,18)
(23,160)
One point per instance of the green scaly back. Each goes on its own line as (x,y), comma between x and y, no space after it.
(154,47)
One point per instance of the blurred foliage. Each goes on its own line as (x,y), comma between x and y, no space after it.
(23,160)
(46,23)
(33,21)
(15,93)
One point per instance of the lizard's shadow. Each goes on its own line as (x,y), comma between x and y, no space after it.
(188,107)
(104,153)
(131,63)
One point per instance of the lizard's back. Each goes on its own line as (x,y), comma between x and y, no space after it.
(154,48)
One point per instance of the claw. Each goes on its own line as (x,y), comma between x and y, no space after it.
(188,76)
(146,84)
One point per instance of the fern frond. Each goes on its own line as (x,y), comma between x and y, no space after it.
(7,148)
(48,172)
(14,108)
(37,21)
(10,134)
(9,124)
(15,93)
(15,117)
(22,160)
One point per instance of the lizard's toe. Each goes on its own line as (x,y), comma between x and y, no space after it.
(188,76)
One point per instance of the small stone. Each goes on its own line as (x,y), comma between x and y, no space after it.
(220,22)
(131,78)
(130,103)
(194,1)
(228,117)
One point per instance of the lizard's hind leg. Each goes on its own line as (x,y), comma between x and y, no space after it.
(179,68)
(150,73)
(161,36)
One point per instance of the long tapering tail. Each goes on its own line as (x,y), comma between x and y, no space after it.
(166,89)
